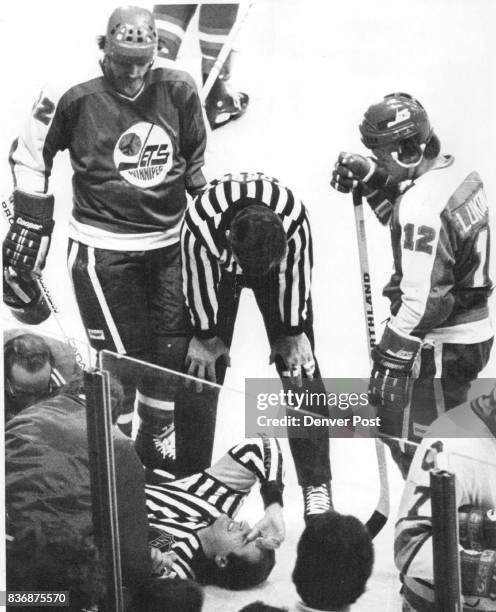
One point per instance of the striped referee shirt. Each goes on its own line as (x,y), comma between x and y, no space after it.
(177,510)
(205,250)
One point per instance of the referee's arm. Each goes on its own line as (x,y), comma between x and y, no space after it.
(201,276)
(255,459)
(295,277)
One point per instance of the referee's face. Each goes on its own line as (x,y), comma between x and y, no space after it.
(231,537)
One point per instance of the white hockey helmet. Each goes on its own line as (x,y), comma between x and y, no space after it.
(131,33)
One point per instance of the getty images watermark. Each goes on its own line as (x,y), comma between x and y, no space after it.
(340,406)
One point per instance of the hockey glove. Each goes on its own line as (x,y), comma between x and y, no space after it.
(378,187)
(27,242)
(478,570)
(389,385)
(23,296)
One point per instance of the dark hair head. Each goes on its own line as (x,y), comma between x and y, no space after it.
(159,595)
(56,557)
(239,573)
(29,351)
(432,147)
(257,238)
(333,561)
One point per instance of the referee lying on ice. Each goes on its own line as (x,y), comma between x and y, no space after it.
(192,519)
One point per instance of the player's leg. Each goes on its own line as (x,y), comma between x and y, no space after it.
(172,21)
(446,373)
(196,412)
(222,103)
(462,363)
(311,452)
(158,389)
(111,296)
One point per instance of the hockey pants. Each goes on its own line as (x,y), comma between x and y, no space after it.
(132,303)
(446,372)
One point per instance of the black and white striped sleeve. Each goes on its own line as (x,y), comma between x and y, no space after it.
(263,457)
(295,276)
(201,276)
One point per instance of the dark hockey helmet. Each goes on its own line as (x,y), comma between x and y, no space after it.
(131,33)
(400,125)
(397,117)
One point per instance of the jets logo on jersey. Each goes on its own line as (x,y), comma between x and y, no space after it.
(143,154)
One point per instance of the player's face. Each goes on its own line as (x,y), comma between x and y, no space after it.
(401,159)
(230,537)
(128,74)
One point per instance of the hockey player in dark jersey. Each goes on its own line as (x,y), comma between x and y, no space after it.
(249,230)
(136,139)
(439,334)
(215,22)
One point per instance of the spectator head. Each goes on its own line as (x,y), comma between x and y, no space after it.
(260,606)
(229,561)
(257,239)
(159,595)
(55,557)
(28,365)
(334,560)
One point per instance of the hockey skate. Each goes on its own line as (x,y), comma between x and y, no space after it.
(222,103)
(155,440)
(317,499)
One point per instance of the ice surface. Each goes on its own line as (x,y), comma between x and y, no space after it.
(311,67)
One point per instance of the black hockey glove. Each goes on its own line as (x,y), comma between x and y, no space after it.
(380,189)
(478,570)
(27,242)
(389,385)
(22,294)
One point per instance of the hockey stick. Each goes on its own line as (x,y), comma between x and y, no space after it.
(380,515)
(47,294)
(224,52)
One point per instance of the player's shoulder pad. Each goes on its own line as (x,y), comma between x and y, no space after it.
(76,84)
(468,207)
(171,75)
(428,198)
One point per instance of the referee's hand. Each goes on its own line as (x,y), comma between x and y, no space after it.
(201,358)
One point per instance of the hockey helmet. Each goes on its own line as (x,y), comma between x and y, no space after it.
(398,117)
(131,33)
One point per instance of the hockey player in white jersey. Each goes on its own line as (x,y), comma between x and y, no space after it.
(439,334)
(463,441)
